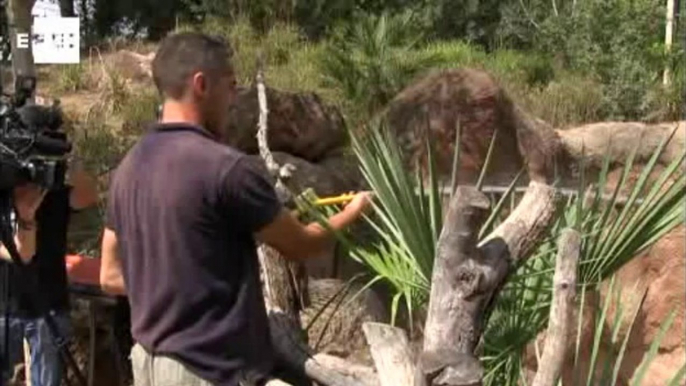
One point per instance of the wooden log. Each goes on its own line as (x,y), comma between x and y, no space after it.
(360,373)
(450,330)
(334,373)
(323,369)
(564,285)
(466,279)
(516,237)
(395,362)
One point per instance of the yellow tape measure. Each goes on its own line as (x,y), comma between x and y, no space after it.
(342,199)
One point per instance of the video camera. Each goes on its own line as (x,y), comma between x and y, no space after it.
(32,148)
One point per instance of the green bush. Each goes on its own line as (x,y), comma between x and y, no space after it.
(139,109)
(373,60)
(569,100)
(528,68)
(619,42)
(452,54)
(291,62)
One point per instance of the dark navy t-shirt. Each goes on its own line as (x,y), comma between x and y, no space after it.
(184,208)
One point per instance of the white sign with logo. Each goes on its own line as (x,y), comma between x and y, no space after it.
(56,40)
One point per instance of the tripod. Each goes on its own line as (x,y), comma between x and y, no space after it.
(29,288)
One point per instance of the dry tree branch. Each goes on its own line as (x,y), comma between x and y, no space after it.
(279,278)
(564,286)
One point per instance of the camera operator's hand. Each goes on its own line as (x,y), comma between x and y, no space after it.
(27,199)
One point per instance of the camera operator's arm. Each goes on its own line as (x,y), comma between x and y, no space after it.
(27,199)
(84,188)
(111,278)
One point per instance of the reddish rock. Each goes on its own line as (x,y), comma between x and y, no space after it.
(660,271)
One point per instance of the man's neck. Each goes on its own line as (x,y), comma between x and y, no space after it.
(179,112)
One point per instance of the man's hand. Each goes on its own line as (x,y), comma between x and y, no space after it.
(361,203)
(27,199)
(297,241)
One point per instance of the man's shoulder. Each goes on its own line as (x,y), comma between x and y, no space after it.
(239,166)
(205,156)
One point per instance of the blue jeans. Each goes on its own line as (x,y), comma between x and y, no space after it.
(46,366)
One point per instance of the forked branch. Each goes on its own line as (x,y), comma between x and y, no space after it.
(466,278)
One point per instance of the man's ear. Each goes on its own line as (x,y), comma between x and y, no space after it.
(199,84)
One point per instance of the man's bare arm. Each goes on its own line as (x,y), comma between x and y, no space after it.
(111,277)
(298,241)
(84,192)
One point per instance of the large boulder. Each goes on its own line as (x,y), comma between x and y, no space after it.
(299,124)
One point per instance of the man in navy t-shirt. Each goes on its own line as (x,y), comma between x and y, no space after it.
(183,218)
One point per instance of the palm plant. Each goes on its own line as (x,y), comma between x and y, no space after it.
(603,367)
(610,238)
(408,219)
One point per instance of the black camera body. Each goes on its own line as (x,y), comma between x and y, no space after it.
(32,147)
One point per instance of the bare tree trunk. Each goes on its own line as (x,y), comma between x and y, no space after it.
(279,290)
(451,328)
(20,21)
(669,38)
(564,288)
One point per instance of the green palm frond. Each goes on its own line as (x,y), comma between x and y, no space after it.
(613,229)
(408,223)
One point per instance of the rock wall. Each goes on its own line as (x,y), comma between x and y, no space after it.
(660,272)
